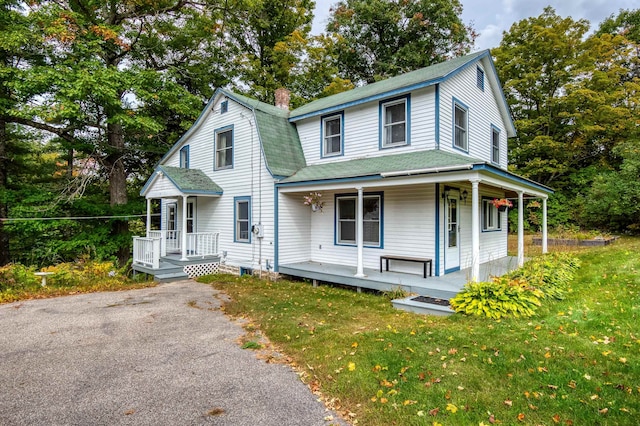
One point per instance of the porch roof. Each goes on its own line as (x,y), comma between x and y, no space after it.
(410,163)
(186,181)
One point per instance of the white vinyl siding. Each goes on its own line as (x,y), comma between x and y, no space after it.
(362,129)
(216,214)
(482,111)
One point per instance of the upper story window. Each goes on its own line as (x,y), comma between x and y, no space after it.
(184,157)
(460,126)
(491,216)
(495,145)
(480,78)
(394,122)
(224,107)
(224,148)
(346,217)
(332,135)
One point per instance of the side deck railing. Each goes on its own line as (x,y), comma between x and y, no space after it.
(146,252)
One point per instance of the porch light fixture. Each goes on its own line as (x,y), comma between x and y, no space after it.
(464,195)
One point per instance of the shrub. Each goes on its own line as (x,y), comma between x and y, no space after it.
(503,297)
(519,293)
(15,276)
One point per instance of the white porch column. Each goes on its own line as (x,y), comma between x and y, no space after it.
(544,225)
(360,232)
(475,230)
(148,216)
(520,228)
(184,228)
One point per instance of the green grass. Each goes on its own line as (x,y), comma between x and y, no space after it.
(576,362)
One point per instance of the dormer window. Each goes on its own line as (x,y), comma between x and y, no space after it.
(332,135)
(394,116)
(184,157)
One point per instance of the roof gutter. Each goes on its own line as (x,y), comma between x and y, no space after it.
(429,170)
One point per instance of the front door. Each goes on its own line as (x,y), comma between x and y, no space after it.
(452,231)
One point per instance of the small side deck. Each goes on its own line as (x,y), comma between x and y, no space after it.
(172,268)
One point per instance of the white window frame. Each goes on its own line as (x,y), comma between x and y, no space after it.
(339,220)
(184,157)
(457,129)
(491,216)
(495,145)
(326,137)
(218,149)
(387,128)
(237,234)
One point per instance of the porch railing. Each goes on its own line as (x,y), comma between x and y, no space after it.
(170,241)
(146,252)
(203,243)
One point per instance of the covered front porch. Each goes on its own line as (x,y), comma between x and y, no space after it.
(441,287)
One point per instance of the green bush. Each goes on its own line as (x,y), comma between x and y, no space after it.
(519,293)
(17,277)
(503,297)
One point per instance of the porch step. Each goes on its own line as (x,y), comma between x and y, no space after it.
(414,304)
(170,277)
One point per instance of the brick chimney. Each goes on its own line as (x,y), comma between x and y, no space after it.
(282,98)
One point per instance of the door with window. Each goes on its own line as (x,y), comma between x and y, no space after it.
(452,230)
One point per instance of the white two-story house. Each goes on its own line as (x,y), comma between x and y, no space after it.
(406,168)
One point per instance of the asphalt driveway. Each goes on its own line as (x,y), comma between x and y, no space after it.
(158,356)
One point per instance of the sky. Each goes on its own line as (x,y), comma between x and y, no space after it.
(491,17)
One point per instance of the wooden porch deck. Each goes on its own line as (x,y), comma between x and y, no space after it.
(172,267)
(442,287)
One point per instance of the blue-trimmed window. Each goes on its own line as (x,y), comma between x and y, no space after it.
(223,148)
(332,134)
(242,219)
(491,216)
(224,107)
(184,157)
(460,125)
(480,78)
(346,219)
(495,144)
(395,122)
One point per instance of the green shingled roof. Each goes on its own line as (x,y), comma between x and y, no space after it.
(376,165)
(280,142)
(419,77)
(190,181)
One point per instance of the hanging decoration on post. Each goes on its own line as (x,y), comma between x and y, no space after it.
(314,199)
(501,204)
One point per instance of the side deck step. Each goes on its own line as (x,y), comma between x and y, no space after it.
(170,277)
(424,305)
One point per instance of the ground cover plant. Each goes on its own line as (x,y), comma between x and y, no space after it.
(19,282)
(575,362)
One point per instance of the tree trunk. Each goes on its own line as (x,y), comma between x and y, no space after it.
(117,185)
(4,213)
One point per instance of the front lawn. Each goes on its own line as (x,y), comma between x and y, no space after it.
(576,362)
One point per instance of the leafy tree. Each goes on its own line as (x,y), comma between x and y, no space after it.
(536,60)
(114,83)
(377,39)
(271,37)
